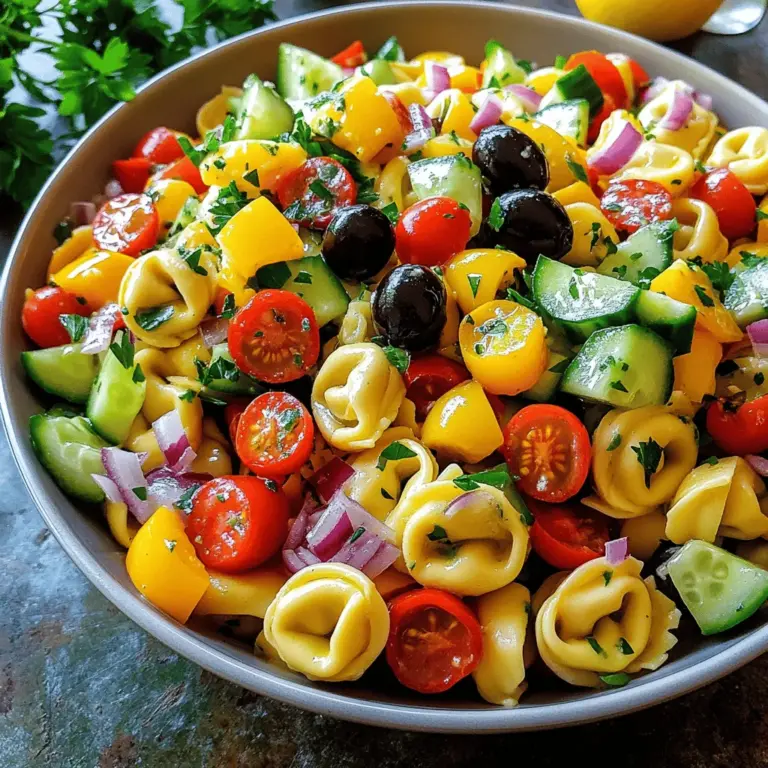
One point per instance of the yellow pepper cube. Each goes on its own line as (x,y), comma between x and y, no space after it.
(95,276)
(195,235)
(447,145)
(477,275)
(578,192)
(735,258)
(73,247)
(258,235)
(543,79)
(464,77)
(169,196)
(408,93)
(215,110)
(695,371)
(242,594)
(163,565)
(456,111)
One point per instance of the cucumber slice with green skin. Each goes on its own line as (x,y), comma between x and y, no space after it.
(626,367)
(116,398)
(185,216)
(302,74)
(568,118)
(311,279)
(391,50)
(501,68)
(63,371)
(671,319)
(243,385)
(263,113)
(544,389)
(719,589)
(71,452)
(576,84)
(747,298)
(581,302)
(650,248)
(380,72)
(454,176)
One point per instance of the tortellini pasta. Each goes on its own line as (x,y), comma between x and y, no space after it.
(669,166)
(592,233)
(212,456)
(745,152)
(725,498)
(328,622)
(356,396)
(605,619)
(623,449)
(644,534)
(699,233)
(241,594)
(122,525)
(508,648)
(394,184)
(357,325)
(166,299)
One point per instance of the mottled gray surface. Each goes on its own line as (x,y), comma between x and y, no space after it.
(80,685)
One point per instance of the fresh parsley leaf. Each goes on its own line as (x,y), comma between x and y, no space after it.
(618,385)
(391,50)
(319,188)
(76,326)
(624,647)
(228,202)
(649,455)
(184,502)
(140,492)
(438,533)
(122,349)
(228,307)
(394,452)
(188,396)
(192,259)
(303,277)
(191,151)
(712,461)
(498,477)
(607,576)
(719,274)
(252,177)
(616,679)
(138,375)
(595,646)
(761,215)
(288,419)
(496,216)
(596,232)
(273,275)
(399,358)
(573,287)
(704,297)
(615,442)
(621,271)
(513,295)
(474,283)
(388,496)
(153,318)
(576,169)
(391,212)
(356,535)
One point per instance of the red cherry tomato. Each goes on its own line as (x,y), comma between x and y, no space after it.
(186,170)
(275,435)
(352,56)
(232,413)
(434,640)
(548,448)
(604,73)
(569,535)
(274,337)
(220,299)
(237,522)
(428,378)
(133,173)
(609,105)
(633,203)
(639,75)
(119,323)
(432,231)
(733,203)
(311,193)
(741,431)
(160,146)
(127,224)
(41,311)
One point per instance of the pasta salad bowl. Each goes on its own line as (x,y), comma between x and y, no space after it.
(172,99)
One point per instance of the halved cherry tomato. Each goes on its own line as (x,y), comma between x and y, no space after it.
(741,430)
(609,105)
(733,203)
(432,231)
(604,73)
(633,203)
(311,193)
(567,535)
(160,145)
(185,170)
(237,522)
(352,56)
(220,298)
(434,640)
(274,337)
(232,413)
(127,224)
(639,75)
(275,435)
(41,311)
(430,377)
(548,448)
(133,173)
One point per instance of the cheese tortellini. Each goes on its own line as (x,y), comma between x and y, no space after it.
(745,152)
(605,619)
(699,233)
(726,498)
(629,477)
(669,166)
(357,325)
(592,233)
(328,622)
(356,396)
(394,184)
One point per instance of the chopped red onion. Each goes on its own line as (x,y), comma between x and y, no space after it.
(314,517)
(438,79)
(292,561)
(385,556)
(348,71)
(359,517)
(704,100)
(111,491)
(331,530)
(299,527)
(173,441)
(214,331)
(477,497)
(296,227)
(758,335)
(423,129)
(82,212)
(331,478)
(530,100)
(124,469)
(758,463)
(308,558)
(166,486)
(358,550)
(616,551)
(100,327)
(488,114)
(657,85)
(113,189)
(620,146)
(678,112)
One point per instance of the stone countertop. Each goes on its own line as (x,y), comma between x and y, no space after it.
(82,686)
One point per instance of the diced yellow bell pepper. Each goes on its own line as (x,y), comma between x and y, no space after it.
(95,276)
(391,583)
(408,93)
(734,258)
(465,78)
(163,565)
(194,235)
(447,145)
(169,196)
(477,275)
(457,112)
(446,58)
(244,594)
(762,223)
(72,248)
(258,235)
(122,525)
(687,283)
(270,159)
(406,70)
(543,79)
(215,110)
(578,192)
(462,425)
(695,371)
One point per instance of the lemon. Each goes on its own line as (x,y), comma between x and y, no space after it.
(659,20)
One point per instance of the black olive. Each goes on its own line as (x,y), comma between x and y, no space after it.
(529,222)
(510,159)
(358,243)
(408,307)
(656,566)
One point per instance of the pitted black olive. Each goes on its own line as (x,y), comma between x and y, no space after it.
(510,159)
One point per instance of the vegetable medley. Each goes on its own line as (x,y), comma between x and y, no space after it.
(462,369)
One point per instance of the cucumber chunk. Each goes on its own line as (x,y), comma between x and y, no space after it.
(379,71)
(568,118)
(582,302)
(671,319)
(391,50)
(63,371)
(747,298)
(626,367)
(302,74)
(501,68)
(242,385)
(544,389)
(185,216)
(719,589)
(576,84)
(263,113)
(642,255)
(70,450)
(311,279)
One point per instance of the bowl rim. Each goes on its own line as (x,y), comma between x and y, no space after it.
(414,717)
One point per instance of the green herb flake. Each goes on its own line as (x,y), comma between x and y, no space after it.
(704,297)
(394,452)
(761,215)
(619,386)
(140,492)
(122,349)
(138,375)
(151,319)
(228,307)
(759,378)
(607,576)
(621,271)
(649,455)
(576,169)
(289,419)
(496,216)
(712,461)
(474,283)
(76,326)
(573,287)
(252,177)
(596,233)
(188,396)
(387,495)
(438,533)
(560,367)
(615,442)
(399,358)
(624,647)
(184,502)
(303,277)
(595,646)
(356,535)
(616,679)
(391,212)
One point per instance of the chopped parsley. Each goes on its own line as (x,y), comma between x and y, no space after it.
(123,350)
(761,215)
(153,318)
(615,442)
(228,307)
(192,259)
(560,367)
(399,358)
(228,202)
(616,679)
(649,455)
(596,233)
(188,396)
(607,576)
(576,169)
(496,216)
(624,647)
(619,386)
(705,299)
(303,277)
(220,368)
(474,283)
(138,375)
(387,495)
(252,177)
(140,492)
(184,502)
(394,452)
(391,212)
(595,646)
(76,326)
(712,461)
(356,535)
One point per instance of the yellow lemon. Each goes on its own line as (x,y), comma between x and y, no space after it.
(658,20)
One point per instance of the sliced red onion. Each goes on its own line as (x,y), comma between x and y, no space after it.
(678,112)
(358,550)
(423,129)
(173,441)
(166,486)
(214,331)
(488,114)
(292,561)
(124,469)
(758,463)
(438,79)
(616,551)
(617,151)
(314,517)
(299,527)
(758,335)
(385,556)
(704,100)
(99,333)
(657,85)
(111,491)
(113,189)
(308,558)
(296,227)
(530,100)
(331,478)
(359,517)
(331,531)
(348,71)
(82,212)
(477,497)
